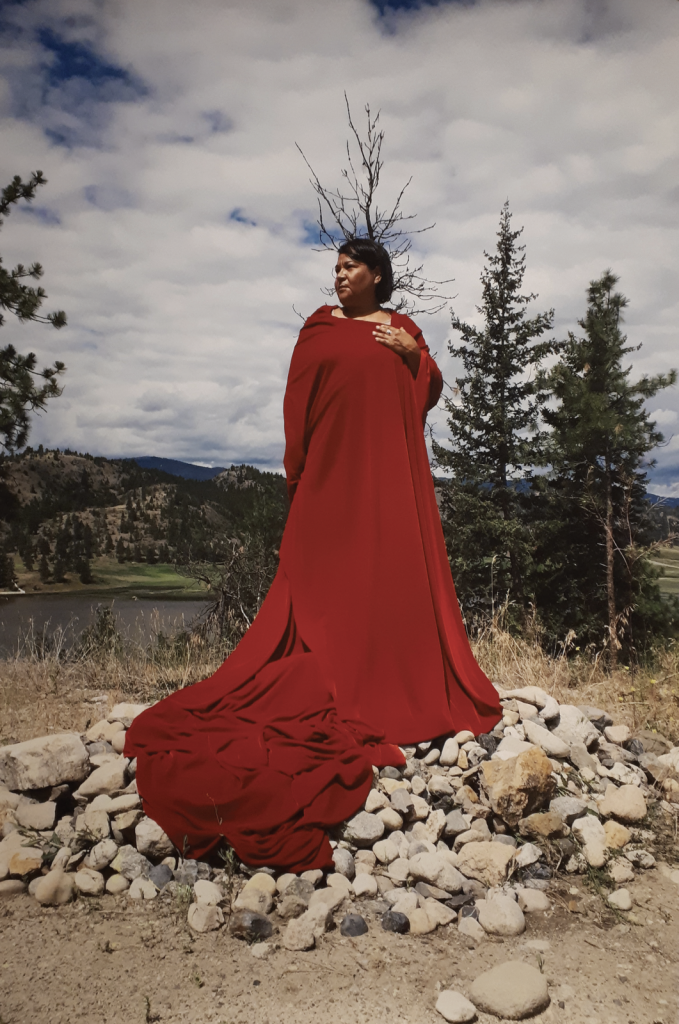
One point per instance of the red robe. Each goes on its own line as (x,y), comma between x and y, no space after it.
(359,645)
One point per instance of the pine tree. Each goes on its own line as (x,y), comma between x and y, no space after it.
(44,569)
(601,436)
(495,440)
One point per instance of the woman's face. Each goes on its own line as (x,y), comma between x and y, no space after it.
(354,281)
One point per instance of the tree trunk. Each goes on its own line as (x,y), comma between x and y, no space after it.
(610,578)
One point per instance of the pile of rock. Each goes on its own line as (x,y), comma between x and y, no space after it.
(472,832)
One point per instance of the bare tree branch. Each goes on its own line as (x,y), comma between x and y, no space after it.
(352,211)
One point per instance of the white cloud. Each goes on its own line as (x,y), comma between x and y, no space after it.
(173,226)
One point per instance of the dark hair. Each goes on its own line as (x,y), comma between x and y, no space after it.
(374,255)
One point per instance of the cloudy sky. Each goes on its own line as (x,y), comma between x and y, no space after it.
(176,228)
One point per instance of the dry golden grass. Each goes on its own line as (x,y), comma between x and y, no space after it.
(46,692)
(641,696)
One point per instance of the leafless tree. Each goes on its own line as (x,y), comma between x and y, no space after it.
(352,211)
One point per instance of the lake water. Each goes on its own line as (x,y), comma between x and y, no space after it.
(140,618)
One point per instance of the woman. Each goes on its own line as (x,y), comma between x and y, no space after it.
(359,645)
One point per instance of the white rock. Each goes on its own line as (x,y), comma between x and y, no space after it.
(94,823)
(421,923)
(406,903)
(375,801)
(262,950)
(123,711)
(527,854)
(46,761)
(144,889)
(203,917)
(550,711)
(118,742)
(626,803)
(575,727)
(551,744)
(421,808)
(620,899)
(391,819)
(108,779)
(590,832)
(386,851)
(432,756)
(464,736)
(62,857)
(501,916)
(329,898)
(89,883)
(365,885)
(533,901)
(418,785)
(284,881)
(449,752)
(438,913)
(621,871)
(399,870)
(530,694)
(101,855)
(314,876)
(511,990)
(207,892)
(341,882)
(470,927)
(618,734)
(390,786)
(116,884)
(151,841)
(39,817)
(455,1008)
(439,786)
(256,900)
(54,888)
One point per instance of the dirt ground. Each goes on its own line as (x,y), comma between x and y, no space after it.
(112,960)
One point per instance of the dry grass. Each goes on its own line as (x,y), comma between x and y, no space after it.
(44,689)
(641,696)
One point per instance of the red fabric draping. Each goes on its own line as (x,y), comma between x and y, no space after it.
(359,645)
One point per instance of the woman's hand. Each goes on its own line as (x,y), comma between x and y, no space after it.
(400,342)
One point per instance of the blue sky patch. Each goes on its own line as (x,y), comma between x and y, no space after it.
(41,213)
(76,60)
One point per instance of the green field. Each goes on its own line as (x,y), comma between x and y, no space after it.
(667,561)
(110,577)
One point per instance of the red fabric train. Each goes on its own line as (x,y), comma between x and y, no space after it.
(359,645)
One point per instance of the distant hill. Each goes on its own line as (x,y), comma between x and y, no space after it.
(667,502)
(174,467)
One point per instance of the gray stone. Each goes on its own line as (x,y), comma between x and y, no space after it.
(581,757)
(188,872)
(533,901)
(207,892)
(46,761)
(590,832)
(131,864)
(602,718)
(256,900)
(353,925)
(640,858)
(246,925)
(513,990)
(39,817)
(330,897)
(393,921)
(300,888)
(488,863)
(95,824)
(302,932)
(364,829)
(160,875)
(291,906)
(402,802)
(344,863)
(454,1008)
(625,803)
(568,808)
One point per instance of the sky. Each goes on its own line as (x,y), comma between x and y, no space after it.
(177,225)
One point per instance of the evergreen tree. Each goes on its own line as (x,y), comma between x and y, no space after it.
(151,555)
(84,570)
(59,571)
(8,580)
(27,556)
(43,569)
(495,440)
(120,550)
(23,388)
(601,436)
